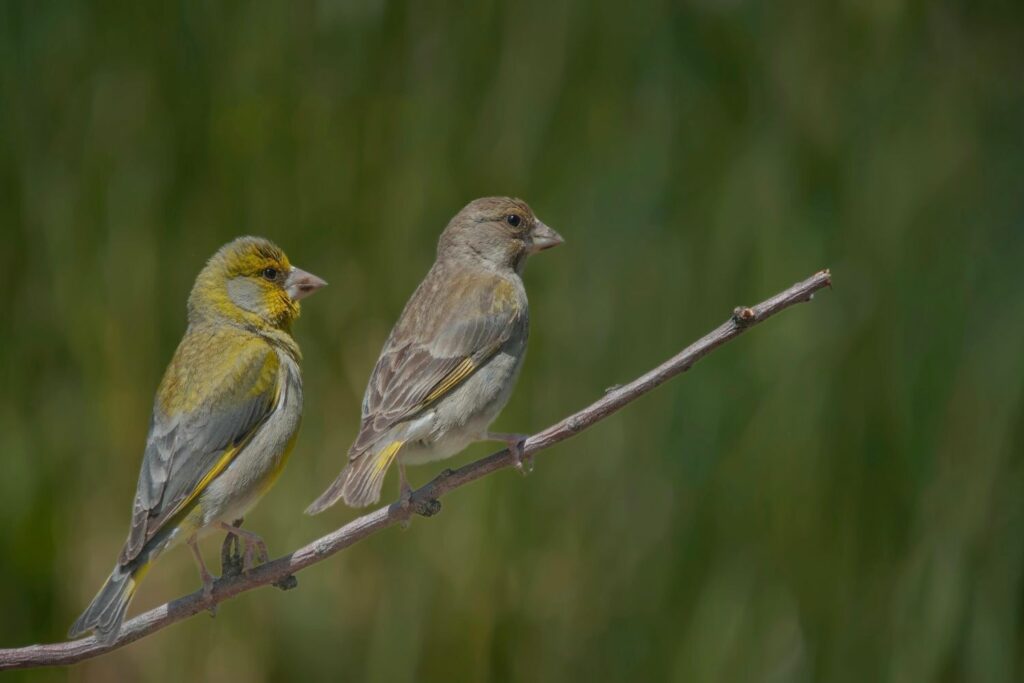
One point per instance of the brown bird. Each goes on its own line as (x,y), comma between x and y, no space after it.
(453,357)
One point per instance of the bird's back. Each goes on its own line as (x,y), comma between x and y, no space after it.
(454,315)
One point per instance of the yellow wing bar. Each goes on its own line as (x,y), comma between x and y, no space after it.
(385,457)
(461,372)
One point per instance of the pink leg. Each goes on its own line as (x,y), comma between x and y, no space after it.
(515,444)
(231,553)
(204,573)
(252,542)
(405,491)
(404,494)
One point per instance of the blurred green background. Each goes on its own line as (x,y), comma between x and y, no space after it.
(836,496)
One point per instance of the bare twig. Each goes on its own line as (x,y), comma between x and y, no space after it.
(424,500)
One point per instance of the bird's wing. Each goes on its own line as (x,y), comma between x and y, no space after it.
(447,332)
(208,408)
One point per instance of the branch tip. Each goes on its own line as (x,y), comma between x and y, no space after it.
(744,315)
(424,501)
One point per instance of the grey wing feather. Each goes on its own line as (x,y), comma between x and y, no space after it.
(182,449)
(419,357)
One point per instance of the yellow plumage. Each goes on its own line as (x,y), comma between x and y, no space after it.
(384,458)
(461,372)
(225,416)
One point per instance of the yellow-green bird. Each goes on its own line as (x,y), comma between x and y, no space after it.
(450,363)
(224,419)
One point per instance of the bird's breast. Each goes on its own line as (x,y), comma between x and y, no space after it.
(256,468)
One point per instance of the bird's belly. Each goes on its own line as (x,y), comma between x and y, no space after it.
(255,469)
(465,415)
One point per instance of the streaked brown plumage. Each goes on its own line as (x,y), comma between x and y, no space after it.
(450,363)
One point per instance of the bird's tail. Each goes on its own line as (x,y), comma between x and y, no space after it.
(105,614)
(361,480)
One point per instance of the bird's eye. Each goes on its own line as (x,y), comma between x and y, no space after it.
(513,219)
(270,273)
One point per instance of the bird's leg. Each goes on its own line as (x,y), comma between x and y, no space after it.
(204,573)
(404,490)
(252,542)
(231,553)
(404,494)
(516,446)
(232,562)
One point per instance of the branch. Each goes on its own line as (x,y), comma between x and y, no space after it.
(424,500)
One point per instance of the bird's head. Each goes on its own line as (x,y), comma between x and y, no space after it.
(500,231)
(250,281)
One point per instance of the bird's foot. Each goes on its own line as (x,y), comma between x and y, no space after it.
(254,548)
(405,504)
(232,560)
(256,553)
(208,582)
(404,495)
(231,554)
(516,444)
(204,574)
(523,462)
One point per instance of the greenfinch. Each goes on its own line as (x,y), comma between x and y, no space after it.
(450,363)
(225,419)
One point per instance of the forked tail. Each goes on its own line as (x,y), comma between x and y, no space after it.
(105,614)
(361,480)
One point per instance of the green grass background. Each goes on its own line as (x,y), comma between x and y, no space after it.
(836,496)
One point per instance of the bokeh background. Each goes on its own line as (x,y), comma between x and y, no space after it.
(836,496)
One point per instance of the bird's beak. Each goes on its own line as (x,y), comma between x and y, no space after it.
(543,237)
(300,284)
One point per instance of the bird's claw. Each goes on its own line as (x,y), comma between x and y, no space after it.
(208,584)
(405,504)
(523,462)
(204,575)
(230,557)
(254,550)
(255,554)
(207,594)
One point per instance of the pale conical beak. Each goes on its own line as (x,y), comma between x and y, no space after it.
(543,237)
(300,284)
